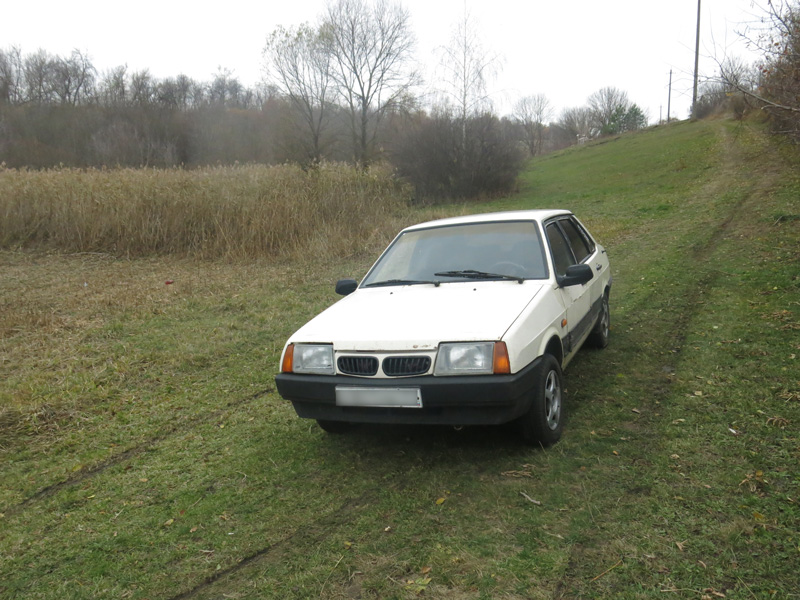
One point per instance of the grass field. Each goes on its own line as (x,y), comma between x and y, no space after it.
(145,453)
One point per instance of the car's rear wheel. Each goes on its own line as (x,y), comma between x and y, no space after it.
(542,424)
(600,334)
(335,426)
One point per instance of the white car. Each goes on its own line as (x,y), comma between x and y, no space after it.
(462,321)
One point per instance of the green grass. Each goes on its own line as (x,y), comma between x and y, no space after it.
(145,453)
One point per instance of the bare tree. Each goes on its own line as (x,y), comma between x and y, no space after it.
(531,112)
(226,90)
(371,47)
(73,78)
(778,87)
(113,87)
(606,106)
(38,77)
(11,76)
(300,64)
(467,70)
(142,88)
(577,123)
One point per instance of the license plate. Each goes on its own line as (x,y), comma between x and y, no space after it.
(379,397)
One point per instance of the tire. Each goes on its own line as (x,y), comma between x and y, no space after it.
(336,427)
(598,338)
(543,423)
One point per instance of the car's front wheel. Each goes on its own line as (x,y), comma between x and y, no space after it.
(542,424)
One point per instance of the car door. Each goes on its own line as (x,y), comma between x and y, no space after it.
(586,251)
(577,299)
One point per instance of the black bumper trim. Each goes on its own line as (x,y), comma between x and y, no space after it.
(469,400)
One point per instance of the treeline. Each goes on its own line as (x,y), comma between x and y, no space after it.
(344,90)
(60,111)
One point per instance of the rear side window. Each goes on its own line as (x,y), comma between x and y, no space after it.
(580,244)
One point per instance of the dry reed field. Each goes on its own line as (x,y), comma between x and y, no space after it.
(224,212)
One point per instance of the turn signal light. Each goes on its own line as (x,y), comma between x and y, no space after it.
(500,360)
(288,359)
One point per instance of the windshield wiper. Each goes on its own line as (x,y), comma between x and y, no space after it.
(473,274)
(402,282)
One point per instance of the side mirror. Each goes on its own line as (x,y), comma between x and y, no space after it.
(576,275)
(345,287)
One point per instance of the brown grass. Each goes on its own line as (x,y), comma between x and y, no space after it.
(225,212)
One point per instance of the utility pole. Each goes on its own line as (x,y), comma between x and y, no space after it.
(696,62)
(669,95)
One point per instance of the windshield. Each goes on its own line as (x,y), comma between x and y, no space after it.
(498,250)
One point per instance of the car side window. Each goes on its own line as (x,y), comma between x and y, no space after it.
(576,239)
(562,255)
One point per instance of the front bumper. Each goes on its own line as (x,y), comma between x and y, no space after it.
(468,400)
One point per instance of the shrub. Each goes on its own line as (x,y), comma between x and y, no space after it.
(445,158)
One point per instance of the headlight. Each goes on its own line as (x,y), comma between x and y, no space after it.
(314,359)
(474,358)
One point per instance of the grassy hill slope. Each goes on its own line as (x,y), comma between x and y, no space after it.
(145,453)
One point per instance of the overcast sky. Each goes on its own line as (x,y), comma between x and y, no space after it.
(563,49)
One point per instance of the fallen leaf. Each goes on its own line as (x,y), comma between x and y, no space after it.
(681,545)
(426,570)
(529,499)
(440,501)
(168,522)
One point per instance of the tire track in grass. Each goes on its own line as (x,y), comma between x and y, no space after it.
(146,446)
(314,532)
(658,387)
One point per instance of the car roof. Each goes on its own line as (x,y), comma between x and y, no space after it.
(512,215)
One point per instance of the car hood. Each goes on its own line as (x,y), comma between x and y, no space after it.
(419,317)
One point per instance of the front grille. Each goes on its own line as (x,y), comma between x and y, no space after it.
(399,366)
(366,366)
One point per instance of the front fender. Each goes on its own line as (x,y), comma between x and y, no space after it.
(528,336)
